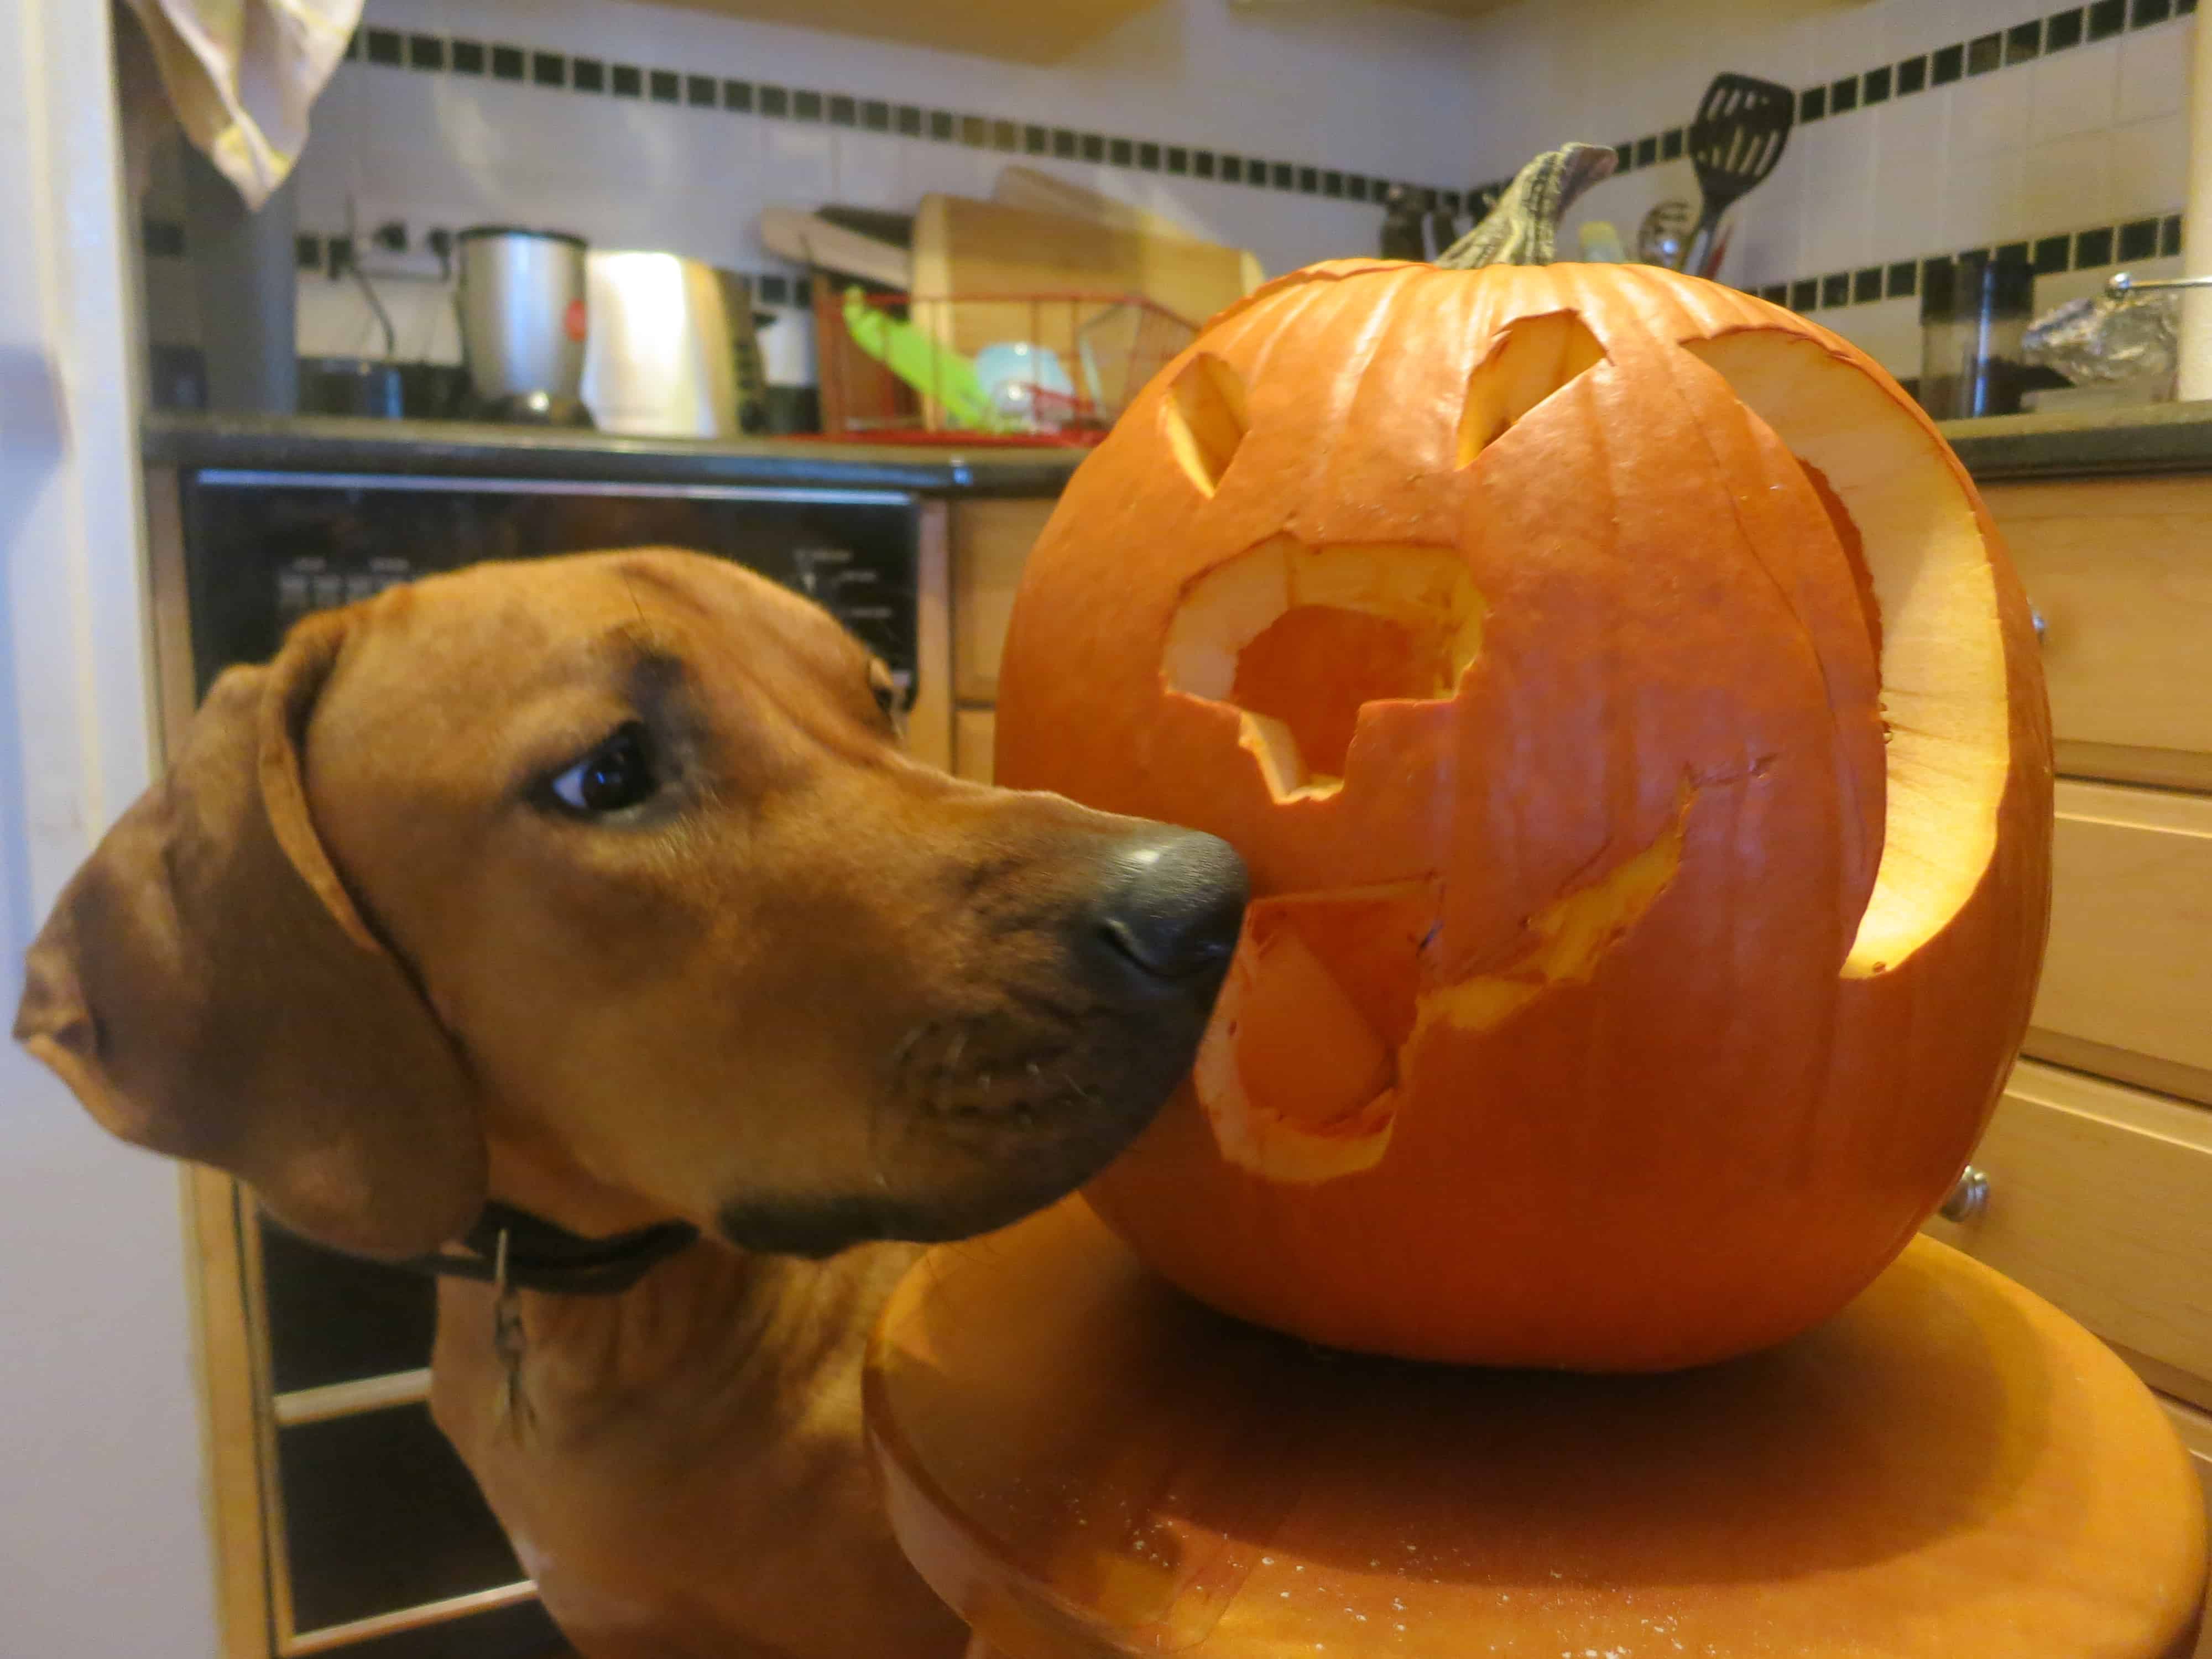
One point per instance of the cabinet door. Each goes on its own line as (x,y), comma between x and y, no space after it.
(2118,570)
(2127,982)
(2100,1200)
(991,543)
(975,735)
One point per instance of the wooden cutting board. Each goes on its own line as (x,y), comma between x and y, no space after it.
(964,248)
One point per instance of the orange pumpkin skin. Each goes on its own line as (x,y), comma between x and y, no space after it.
(1628,999)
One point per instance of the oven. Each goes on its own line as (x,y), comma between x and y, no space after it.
(345,1523)
(265,547)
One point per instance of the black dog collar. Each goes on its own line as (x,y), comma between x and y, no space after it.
(521,1251)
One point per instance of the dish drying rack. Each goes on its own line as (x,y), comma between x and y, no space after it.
(1053,370)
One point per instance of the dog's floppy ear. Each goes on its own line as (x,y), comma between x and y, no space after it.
(207,989)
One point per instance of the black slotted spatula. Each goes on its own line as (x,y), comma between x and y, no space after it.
(1741,124)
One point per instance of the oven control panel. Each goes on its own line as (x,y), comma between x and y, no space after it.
(263,548)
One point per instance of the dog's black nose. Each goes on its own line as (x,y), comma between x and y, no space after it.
(1172,904)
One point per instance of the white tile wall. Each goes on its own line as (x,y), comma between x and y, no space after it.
(2149,166)
(1989,115)
(2154,75)
(1908,132)
(2091,135)
(2074,91)
(2066,178)
(1385,94)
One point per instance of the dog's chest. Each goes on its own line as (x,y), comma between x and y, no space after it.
(716,1501)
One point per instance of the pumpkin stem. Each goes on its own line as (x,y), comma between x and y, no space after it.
(1524,226)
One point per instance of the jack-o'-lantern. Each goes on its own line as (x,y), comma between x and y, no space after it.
(1636,736)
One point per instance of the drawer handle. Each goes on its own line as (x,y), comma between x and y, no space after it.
(1969,1198)
(2036,616)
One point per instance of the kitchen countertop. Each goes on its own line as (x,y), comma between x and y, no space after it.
(456,449)
(2149,438)
(2142,438)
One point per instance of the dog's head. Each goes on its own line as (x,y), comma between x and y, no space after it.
(610,866)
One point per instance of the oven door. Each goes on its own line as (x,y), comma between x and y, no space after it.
(263,549)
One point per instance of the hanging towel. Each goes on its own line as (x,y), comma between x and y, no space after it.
(242,75)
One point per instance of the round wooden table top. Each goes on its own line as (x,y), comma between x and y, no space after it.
(1082,1462)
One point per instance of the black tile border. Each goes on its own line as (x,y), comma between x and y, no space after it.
(1987,53)
(689,89)
(2152,237)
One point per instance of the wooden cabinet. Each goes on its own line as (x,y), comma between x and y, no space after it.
(991,543)
(2099,1156)
(2100,1200)
(2127,982)
(2121,572)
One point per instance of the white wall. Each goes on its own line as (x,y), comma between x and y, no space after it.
(103,1546)
(1375,89)
(2089,136)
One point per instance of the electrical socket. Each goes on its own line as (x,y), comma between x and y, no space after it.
(393,239)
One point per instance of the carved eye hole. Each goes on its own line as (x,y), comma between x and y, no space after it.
(1206,419)
(1534,357)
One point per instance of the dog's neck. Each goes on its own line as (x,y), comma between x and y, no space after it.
(549,1186)
(721,1328)
(710,1317)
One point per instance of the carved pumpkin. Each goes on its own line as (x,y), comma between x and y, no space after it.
(1636,735)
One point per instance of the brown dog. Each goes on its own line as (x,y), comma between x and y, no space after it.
(598,886)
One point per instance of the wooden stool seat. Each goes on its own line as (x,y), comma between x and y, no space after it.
(1082,1462)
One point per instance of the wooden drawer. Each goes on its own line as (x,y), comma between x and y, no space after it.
(975,731)
(2100,1200)
(991,542)
(2127,984)
(2121,571)
(2195,1428)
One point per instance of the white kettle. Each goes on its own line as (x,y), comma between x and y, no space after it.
(672,352)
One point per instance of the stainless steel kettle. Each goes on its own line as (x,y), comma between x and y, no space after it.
(524,317)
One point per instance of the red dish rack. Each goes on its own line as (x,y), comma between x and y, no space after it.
(1107,347)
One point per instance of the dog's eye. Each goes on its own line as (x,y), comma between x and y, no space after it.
(617,773)
(890,698)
